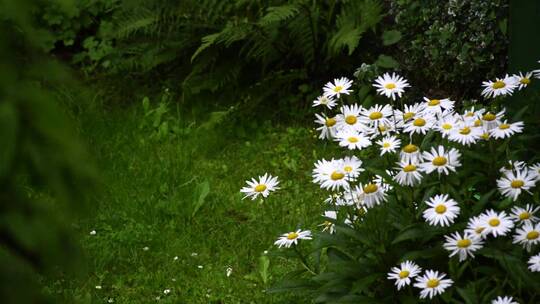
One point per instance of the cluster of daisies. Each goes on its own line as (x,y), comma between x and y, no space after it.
(396,134)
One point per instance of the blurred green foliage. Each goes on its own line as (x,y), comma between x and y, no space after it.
(44,173)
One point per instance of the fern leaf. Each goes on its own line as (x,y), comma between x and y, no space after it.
(278,14)
(207,41)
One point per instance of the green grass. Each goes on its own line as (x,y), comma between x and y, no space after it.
(149,191)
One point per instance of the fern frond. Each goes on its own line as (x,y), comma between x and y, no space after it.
(278,14)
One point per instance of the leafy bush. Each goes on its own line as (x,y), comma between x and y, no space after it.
(413,176)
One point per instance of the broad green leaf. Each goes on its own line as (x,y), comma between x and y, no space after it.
(390,37)
(388,62)
(200,193)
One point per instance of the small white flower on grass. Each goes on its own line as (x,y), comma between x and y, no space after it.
(513,183)
(93,232)
(327,126)
(534,263)
(373,194)
(353,140)
(340,86)
(523,80)
(499,87)
(200,266)
(263,186)
(166,291)
(194,254)
(325,101)
(391,85)
(290,238)
(146,248)
(389,144)
(497,223)
(404,273)
(432,283)
(504,300)
(443,210)
(228,271)
(525,215)
(110,300)
(463,246)
(410,153)
(528,235)
(408,174)
(98,286)
(437,106)
(477,226)
(505,129)
(175,258)
(440,160)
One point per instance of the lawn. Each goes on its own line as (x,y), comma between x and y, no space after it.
(170,223)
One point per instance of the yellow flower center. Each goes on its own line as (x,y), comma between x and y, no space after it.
(338,89)
(499,84)
(382,128)
(469,114)
(386,145)
(351,119)
(440,209)
(347,169)
(419,122)
(464,243)
(465,131)
(504,126)
(533,235)
(485,136)
(409,168)
(330,122)
(479,230)
(260,188)
(352,139)
(375,115)
(403,274)
(370,188)
(434,102)
(410,148)
(408,115)
(525,80)
(447,126)
(494,222)
(489,116)
(337,175)
(524,216)
(390,86)
(517,183)
(292,235)
(439,161)
(432,283)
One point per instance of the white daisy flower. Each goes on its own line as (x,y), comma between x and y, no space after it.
(328,126)
(408,173)
(352,140)
(438,106)
(535,170)
(377,115)
(506,129)
(390,86)
(499,87)
(534,263)
(504,300)
(389,144)
(373,194)
(338,199)
(528,235)
(525,215)
(409,112)
(443,210)
(477,226)
(463,246)
(432,283)
(410,153)
(340,86)
(330,175)
(290,238)
(383,181)
(420,124)
(328,225)
(263,186)
(352,166)
(403,275)
(512,183)
(446,125)
(497,223)
(513,166)
(523,80)
(473,114)
(322,100)
(491,121)
(440,160)
(465,134)
(349,118)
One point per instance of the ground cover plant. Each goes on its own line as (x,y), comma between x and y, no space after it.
(433,200)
